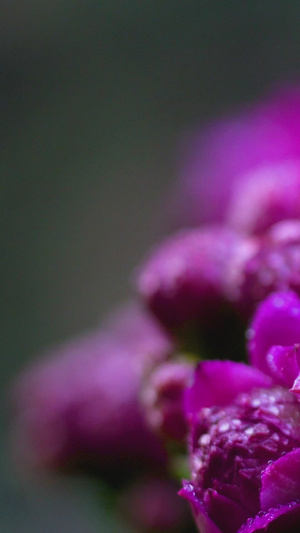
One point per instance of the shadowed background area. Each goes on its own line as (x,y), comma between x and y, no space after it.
(93,97)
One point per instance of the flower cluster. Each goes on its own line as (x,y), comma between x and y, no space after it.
(244,441)
(169,384)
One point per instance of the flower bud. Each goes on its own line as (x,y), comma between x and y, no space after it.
(272,265)
(183,279)
(163,398)
(79,406)
(265,196)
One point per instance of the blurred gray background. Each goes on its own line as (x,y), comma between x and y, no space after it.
(93,97)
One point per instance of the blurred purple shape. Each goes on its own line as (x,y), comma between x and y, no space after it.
(272,264)
(183,279)
(163,398)
(268,194)
(216,160)
(152,505)
(80,404)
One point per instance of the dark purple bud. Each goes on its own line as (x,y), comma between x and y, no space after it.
(163,398)
(183,279)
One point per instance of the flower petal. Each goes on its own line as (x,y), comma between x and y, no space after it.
(204,523)
(281,481)
(276,322)
(283,365)
(283,518)
(226,513)
(220,382)
(295,389)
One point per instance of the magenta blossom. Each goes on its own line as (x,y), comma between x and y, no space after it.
(272,265)
(79,406)
(218,158)
(244,448)
(268,194)
(244,440)
(186,282)
(183,279)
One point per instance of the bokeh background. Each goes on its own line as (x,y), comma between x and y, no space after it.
(93,98)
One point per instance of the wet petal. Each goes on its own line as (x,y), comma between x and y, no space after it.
(295,389)
(220,382)
(283,364)
(228,514)
(204,523)
(276,322)
(284,518)
(281,481)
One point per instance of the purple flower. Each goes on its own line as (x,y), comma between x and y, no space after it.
(79,406)
(265,196)
(244,448)
(272,265)
(218,166)
(163,398)
(183,279)
(244,438)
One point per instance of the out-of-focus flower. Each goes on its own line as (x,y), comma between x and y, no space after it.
(80,406)
(265,196)
(272,265)
(184,282)
(163,398)
(183,279)
(152,505)
(244,453)
(261,145)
